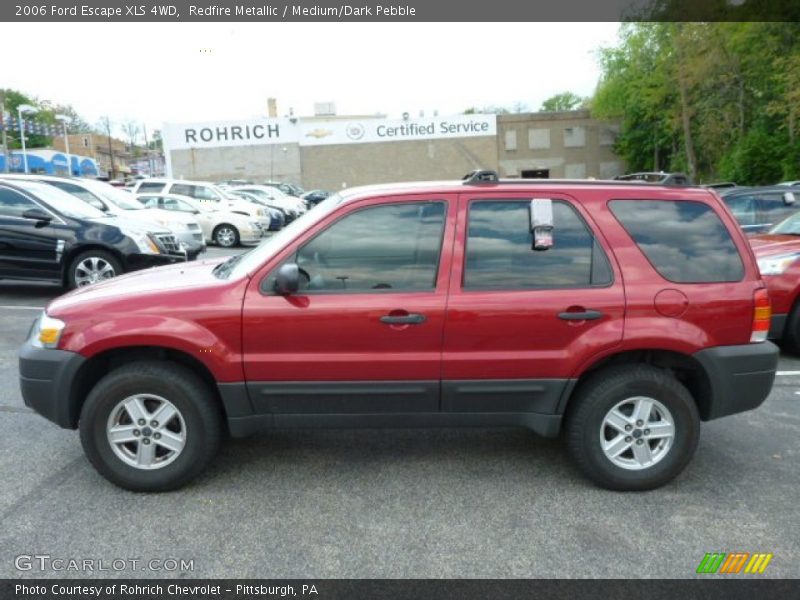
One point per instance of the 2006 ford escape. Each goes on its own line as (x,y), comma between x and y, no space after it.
(621,313)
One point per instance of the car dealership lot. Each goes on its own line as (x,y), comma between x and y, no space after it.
(397,503)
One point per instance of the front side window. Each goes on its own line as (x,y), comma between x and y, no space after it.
(685,241)
(393,247)
(500,254)
(183,189)
(13,204)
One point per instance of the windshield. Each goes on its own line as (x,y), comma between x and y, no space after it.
(63,202)
(243,264)
(118,198)
(790,226)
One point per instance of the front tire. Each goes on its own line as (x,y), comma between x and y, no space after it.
(632,427)
(226,236)
(150,426)
(91,267)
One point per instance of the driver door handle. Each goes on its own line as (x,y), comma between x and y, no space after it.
(586,315)
(409,319)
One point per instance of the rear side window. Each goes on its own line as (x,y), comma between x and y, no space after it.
(500,254)
(150,186)
(685,241)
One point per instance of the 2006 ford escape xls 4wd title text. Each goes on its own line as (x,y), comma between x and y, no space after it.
(623,313)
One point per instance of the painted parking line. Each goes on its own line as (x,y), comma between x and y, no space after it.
(16,307)
(787,373)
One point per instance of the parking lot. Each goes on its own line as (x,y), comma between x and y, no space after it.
(397,503)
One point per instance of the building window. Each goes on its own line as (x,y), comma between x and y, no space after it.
(511,140)
(538,139)
(574,137)
(85,142)
(575,171)
(608,135)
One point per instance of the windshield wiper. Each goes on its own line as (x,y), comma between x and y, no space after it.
(223,269)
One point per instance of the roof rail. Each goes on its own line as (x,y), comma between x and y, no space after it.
(480,176)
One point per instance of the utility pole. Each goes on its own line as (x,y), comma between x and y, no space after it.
(147,151)
(4,139)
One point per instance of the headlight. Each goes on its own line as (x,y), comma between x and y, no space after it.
(46,331)
(775,265)
(143,241)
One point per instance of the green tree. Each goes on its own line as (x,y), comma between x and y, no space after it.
(562,101)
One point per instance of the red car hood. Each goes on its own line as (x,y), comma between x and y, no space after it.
(771,245)
(140,284)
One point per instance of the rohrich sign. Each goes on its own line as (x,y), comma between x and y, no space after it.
(178,136)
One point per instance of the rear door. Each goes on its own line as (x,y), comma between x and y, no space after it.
(521,321)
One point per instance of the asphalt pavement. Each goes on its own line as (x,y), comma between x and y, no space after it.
(439,503)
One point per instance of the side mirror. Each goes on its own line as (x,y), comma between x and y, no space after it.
(287,281)
(37,214)
(541,217)
(788,198)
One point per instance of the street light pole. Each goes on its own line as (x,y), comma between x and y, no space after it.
(21,110)
(64,120)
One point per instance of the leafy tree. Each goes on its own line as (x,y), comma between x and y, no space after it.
(562,101)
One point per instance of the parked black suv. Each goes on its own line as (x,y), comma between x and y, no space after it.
(47,234)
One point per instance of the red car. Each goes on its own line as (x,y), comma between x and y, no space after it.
(777,253)
(622,313)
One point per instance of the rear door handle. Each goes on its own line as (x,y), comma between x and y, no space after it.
(409,319)
(586,315)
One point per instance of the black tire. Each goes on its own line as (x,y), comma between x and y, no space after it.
(599,394)
(223,240)
(189,394)
(101,255)
(791,331)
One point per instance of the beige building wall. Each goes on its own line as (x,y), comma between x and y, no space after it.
(346,165)
(279,162)
(568,144)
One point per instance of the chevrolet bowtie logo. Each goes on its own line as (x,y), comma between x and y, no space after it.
(319,133)
(728,563)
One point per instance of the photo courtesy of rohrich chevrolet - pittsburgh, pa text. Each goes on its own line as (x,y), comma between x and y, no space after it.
(399,299)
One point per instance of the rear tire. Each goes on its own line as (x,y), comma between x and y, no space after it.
(608,403)
(92,266)
(147,455)
(791,332)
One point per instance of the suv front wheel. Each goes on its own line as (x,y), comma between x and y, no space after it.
(150,427)
(632,427)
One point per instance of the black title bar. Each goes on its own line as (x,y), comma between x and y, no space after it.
(398,10)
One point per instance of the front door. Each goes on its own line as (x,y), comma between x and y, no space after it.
(28,249)
(520,321)
(363,335)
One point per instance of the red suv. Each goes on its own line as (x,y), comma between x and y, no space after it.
(622,313)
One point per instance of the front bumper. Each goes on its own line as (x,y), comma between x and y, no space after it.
(135,262)
(46,377)
(193,241)
(740,377)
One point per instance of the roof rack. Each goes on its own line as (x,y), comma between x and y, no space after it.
(480,176)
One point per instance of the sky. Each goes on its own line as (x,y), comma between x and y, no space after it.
(188,72)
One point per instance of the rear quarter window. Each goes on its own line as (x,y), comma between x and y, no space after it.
(685,241)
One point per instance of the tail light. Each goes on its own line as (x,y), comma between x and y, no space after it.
(762,311)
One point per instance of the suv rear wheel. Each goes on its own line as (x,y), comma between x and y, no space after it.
(150,427)
(632,427)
